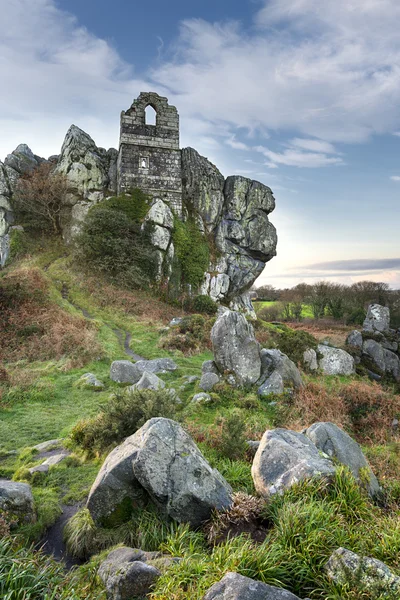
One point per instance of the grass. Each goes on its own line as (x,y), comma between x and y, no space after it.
(39,401)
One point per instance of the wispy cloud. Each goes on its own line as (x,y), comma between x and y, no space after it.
(395,177)
(293,157)
(361,264)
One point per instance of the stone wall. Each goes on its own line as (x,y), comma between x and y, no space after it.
(149,156)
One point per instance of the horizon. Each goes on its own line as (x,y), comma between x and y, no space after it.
(305,101)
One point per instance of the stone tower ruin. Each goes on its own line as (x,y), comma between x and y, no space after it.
(149,156)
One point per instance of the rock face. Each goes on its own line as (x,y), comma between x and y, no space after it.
(124,371)
(285,457)
(126,574)
(237,587)
(335,361)
(363,573)
(338,445)
(278,373)
(91,174)
(20,161)
(377,345)
(377,319)
(148,381)
(16,498)
(235,347)
(161,461)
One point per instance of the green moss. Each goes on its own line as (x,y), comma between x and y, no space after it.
(19,244)
(192,251)
(134,205)
(121,514)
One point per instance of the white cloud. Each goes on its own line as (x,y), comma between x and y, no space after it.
(293,157)
(395,177)
(314,145)
(331,72)
(54,73)
(236,144)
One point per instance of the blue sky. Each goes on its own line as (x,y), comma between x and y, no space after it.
(302,95)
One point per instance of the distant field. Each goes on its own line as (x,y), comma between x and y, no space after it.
(259,304)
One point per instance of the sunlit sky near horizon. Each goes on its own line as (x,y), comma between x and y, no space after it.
(301,95)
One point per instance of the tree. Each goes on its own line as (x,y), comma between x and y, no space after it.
(40,198)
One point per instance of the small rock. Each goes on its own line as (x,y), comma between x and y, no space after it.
(310,359)
(157,365)
(16,498)
(148,381)
(202,397)
(208,381)
(126,574)
(237,587)
(176,321)
(273,385)
(274,361)
(124,371)
(363,573)
(355,339)
(89,381)
(191,378)
(49,445)
(209,366)
(49,462)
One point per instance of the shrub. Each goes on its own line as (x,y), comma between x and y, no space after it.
(271,312)
(124,414)
(113,242)
(40,197)
(190,336)
(192,251)
(204,304)
(292,342)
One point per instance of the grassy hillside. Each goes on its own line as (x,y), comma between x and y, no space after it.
(59,323)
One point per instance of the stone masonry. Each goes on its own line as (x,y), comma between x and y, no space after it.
(149,155)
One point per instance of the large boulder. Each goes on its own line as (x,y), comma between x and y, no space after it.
(284,458)
(157,365)
(126,574)
(161,461)
(377,319)
(363,573)
(236,350)
(237,587)
(335,361)
(277,373)
(16,498)
(375,355)
(338,445)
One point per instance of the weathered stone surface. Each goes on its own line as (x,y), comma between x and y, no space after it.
(162,461)
(310,359)
(89,381)
(363,573)
(48,445)
(237,587)
(16,498)
(157,365)
(203,187)
(285,457)
(209,366)
(126,574)
(392,364)
(338,445)
(160,214)
(335,361)
(208,381)
(148,381)
(376,353)
(55,459)
(277,372)
(201,397)
(124,371)
(377,319)
(235,347)
(355,339)
(272,385)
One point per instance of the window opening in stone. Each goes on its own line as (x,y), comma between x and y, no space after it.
(144,162)
(150,115)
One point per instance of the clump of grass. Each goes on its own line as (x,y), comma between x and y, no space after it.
(244,514)
(190,336)
(124,414)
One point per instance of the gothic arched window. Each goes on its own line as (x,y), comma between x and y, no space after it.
(150,115)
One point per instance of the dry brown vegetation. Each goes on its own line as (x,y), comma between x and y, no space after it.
(34,328)
(363,409)
(325,329)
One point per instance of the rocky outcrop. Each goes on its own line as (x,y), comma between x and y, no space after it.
(20,161)
(17,500)
(236,350)
(125,371)
(284,458)
(335,361)
(377,346)
(91,173)
(338,445)
(363,574)
(161,462)
(234,586)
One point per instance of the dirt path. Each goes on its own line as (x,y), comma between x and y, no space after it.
(124,337)
(53,540)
